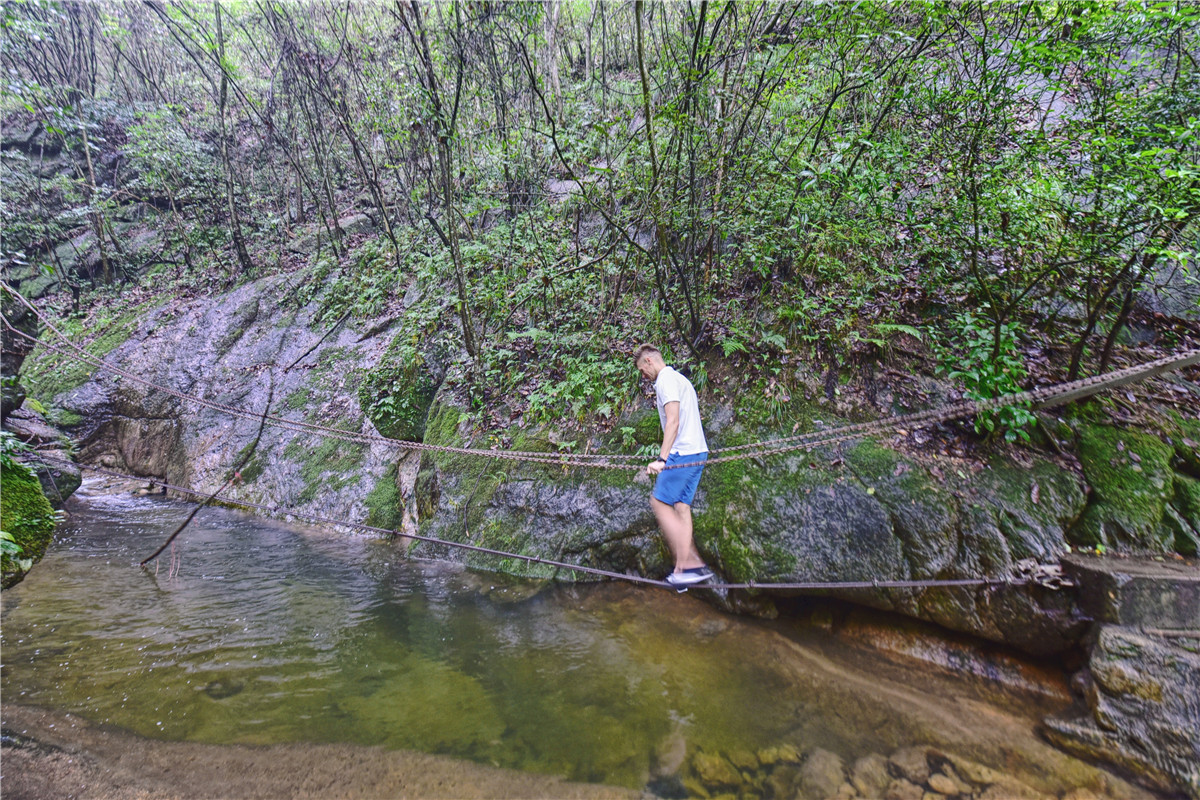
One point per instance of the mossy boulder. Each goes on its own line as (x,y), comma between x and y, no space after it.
(1132,482)
(1183,515)
(27,515)
(860,512)
(538,509)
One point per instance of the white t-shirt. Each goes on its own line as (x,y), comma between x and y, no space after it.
(670,387)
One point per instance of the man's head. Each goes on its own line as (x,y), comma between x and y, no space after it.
(649,361)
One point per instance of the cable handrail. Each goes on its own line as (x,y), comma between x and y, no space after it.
(276,510)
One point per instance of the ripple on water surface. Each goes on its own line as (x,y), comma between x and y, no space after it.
(254,632)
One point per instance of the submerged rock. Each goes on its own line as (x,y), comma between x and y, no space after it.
(821,775)
(869,775)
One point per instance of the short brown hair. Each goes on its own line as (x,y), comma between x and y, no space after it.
(644,350)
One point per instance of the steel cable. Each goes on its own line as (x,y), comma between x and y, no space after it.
(795,585)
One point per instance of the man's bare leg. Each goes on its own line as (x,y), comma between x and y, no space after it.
(675,522)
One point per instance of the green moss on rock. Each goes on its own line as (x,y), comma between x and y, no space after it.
(397,394)
(329,466)
(385,507)
(646,428)
(1131,479)
(1186,437)
(1032,506)
(48,374)
(27,515)
(1184,515)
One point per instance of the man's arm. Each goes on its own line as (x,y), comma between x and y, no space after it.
(670,431)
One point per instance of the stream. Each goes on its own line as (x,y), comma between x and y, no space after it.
(252,632)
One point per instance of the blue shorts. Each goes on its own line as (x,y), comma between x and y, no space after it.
(679,485)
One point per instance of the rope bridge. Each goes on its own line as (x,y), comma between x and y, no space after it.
(1043,397)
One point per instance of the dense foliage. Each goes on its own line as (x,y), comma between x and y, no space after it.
(532,188)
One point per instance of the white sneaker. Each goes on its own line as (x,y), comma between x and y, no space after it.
(689,577)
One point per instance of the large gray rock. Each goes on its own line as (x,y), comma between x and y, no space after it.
(233,350)
(1143,709)
(867,513)
(820,775)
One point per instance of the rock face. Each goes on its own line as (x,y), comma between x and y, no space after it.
(234,350)
(1141,690)
(1143,709)
(49,457)
(875,515)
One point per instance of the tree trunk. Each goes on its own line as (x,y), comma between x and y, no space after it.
(235,224)
(97,219)
(443,132)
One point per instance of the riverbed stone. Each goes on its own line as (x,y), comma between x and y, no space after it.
(869,775)
(1011,789)
(744,760)
(769,756)
(942,784)
(910,763)
(960,785)
(715,771)
(820,775)
(781,781)
(901,789)
(670,754)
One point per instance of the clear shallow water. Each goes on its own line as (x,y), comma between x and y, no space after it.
(270,634)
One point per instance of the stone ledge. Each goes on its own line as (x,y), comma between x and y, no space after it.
(1137,591)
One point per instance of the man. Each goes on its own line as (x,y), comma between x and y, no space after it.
(683,443)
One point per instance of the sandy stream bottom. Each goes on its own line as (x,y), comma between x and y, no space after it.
(54,756)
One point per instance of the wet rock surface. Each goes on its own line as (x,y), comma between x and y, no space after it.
(867,514)
(50,456)
(1142,708)
(233,350)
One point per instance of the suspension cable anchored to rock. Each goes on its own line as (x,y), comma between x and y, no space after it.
(927,583)
(1047,396)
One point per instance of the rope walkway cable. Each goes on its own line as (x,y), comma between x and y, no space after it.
(796,585)
(1047,396)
